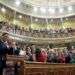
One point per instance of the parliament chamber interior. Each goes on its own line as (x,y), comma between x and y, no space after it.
(37,37)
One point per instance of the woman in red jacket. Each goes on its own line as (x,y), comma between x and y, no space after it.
(42,57)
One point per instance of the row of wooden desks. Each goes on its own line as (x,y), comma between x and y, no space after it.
(39,68)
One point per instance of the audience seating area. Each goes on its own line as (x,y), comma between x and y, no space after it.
(37,39)
(52,33)
(52,62)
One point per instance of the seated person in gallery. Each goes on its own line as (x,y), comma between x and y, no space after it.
(13,48)
(41,55)
(72,56)
(52,56)
(29,54)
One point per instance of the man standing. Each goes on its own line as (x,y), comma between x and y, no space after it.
(3,51)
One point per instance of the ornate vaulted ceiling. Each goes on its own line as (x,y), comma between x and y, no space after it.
(57,6)
(49,2)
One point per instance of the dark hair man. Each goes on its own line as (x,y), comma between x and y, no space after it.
(3,51)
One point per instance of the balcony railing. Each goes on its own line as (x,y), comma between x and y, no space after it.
(29,37)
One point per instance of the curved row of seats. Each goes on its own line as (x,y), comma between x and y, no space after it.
(52,33)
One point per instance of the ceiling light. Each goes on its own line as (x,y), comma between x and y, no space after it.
(35,9)
(51,10)
(20,16)
(70,8)
(36,19)
(51,20)
(14,21)
(66,18)
(63,27)
(61,20)
(61,10)
(3,10)
(43,10)
(17,2)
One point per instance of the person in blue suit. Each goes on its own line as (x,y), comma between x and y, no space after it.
(3,51)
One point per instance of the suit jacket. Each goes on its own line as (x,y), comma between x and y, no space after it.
(3,52)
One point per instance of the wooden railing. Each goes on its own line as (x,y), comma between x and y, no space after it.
(39,68)
(49,69)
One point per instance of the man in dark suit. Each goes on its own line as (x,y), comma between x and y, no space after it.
(3,51)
